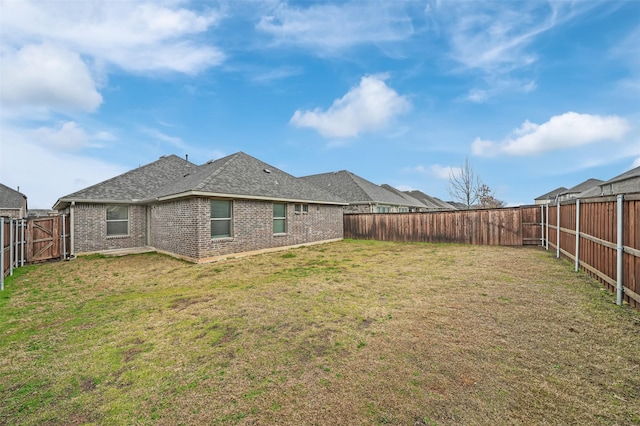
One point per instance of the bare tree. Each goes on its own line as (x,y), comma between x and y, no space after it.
(487,198)
(464,185)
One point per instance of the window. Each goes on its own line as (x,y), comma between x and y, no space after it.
(301,208)
(279,218)
(220,218)
(117,220)
(383,209)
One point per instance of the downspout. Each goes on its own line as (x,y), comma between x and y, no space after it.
(620,288)
(547,221)
(64,238)
(72,239)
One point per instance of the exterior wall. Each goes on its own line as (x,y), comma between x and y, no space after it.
(12,213)
(359,208)
(90,228)
(622,187)
(184,227)
(175,226)
(15,212)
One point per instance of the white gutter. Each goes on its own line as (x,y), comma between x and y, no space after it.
(244,197)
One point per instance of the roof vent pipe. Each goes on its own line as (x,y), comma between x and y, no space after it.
(186,157)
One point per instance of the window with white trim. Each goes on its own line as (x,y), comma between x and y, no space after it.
(117,221)
(301,208)
(279,218)
(220,218)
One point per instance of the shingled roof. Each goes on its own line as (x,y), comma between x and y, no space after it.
(581,187)
(633,173)
(432,203)
(134,185)
(551,195)
(241,175)
(10,198)
(235,176)
(412,202)
(354,189)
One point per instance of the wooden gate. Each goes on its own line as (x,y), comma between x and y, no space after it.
(48,238)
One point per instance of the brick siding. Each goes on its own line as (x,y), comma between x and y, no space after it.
(184,227)
(90,228)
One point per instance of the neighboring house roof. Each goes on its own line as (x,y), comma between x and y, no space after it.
(241,175)
(10,198)
(354,189)
(234,176)
(551,195)
(411,201)
(595,191)
(581,187)
(633,173)
(432,203)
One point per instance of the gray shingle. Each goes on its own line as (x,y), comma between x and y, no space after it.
(10,198)
(581,187)
(551,195)
(432,203)
(241,175)
(134,185)
(354,189)
(411,202)
(624,176)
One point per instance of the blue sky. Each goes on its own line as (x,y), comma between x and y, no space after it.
(536,94)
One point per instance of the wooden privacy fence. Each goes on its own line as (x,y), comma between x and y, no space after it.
(25,241)
(604,232)
(515,226)
(602,237)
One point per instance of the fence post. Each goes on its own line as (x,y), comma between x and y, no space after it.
(620,250)
(542,225)
(577,234)
(2,253)
(22,241)
(64,239)
(10,246)
(558,231)
(547,220)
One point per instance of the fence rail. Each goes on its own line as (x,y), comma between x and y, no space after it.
(33,240)
(604,232)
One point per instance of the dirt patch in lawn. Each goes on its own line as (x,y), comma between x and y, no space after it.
(354,332)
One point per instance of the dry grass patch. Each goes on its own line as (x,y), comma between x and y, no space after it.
(354,332)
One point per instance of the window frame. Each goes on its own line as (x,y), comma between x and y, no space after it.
(221,219)
(300,208)
(278,219)
(110,221)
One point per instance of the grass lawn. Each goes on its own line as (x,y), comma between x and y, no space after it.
(354,332)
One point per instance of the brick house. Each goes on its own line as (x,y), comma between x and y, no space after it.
(13,204)
(236,204)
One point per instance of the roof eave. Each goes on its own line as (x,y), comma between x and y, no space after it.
(243,196)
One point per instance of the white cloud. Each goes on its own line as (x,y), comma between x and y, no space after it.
(68,137)
(158,135)
(568,130)
(495,37)
(33,172)
(136,36)
(636,163)
(47,77)
(369,106)
(478,95)
(436,170)
(330,28)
